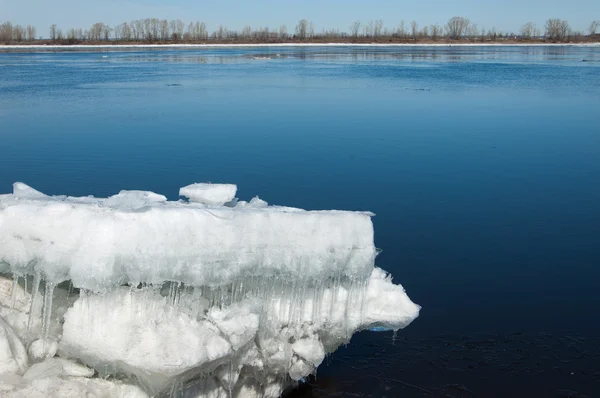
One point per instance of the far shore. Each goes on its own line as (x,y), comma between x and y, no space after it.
(34,46)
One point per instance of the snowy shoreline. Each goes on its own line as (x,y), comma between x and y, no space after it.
(282,45)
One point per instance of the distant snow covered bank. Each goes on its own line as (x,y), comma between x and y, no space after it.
(210,296)
(282,45)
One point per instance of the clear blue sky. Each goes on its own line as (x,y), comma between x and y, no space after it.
(504,15)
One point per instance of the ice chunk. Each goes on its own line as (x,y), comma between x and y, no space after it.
(57,367)
(139,329)
(133,200)
(210,194)
(13,356)
(98,246)
(387,305)
(24,191)
(300,368)
(255,202)
(42,349)
(310,349)
(239,323)
(209,300)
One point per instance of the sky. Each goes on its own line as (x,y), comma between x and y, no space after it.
(504,15)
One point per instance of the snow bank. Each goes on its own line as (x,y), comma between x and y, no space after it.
(213,297)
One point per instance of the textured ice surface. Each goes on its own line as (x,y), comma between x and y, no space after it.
(100,243)
(214,297)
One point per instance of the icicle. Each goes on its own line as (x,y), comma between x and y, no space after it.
(177,293)
(15,285)
(34,295)
(173,293)
(47,311)
(230,384)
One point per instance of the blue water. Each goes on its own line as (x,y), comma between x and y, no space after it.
(481,164)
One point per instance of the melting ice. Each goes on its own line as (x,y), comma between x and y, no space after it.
(208,296)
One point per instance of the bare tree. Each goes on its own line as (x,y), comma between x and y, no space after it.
(197,31)
(6,32)
(414,30)
(176,26)
(472,31)
(72,34)
(155,28)
(436,31)
(123,32)
(221,32)
(148,29)
(557,29)
(377,27)
(97,31)
(179,26)
(139,29)
(401,31)
(247,32)
(457,27)
(283,32)
(302,29)
(482,35)
(164,30)
(355,28)
(368,29)
(53,32)
(106,31)
(262,33)
(593,27)
(30,33)
(528,30)
(19,33)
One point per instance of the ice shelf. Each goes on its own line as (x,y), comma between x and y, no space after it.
(211,297)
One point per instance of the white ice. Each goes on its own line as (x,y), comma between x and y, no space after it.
(133,238)
(229,299)
(210,194)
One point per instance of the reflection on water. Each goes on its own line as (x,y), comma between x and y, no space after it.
(342,53)
(360,54)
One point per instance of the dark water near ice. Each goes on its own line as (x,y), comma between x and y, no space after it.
(482,165)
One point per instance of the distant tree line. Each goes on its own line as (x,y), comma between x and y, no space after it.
(154,30)
(16,33)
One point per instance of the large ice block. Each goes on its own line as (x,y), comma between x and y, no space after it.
(229,299)
(134,237)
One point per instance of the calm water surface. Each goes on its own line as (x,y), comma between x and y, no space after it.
(481,164)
